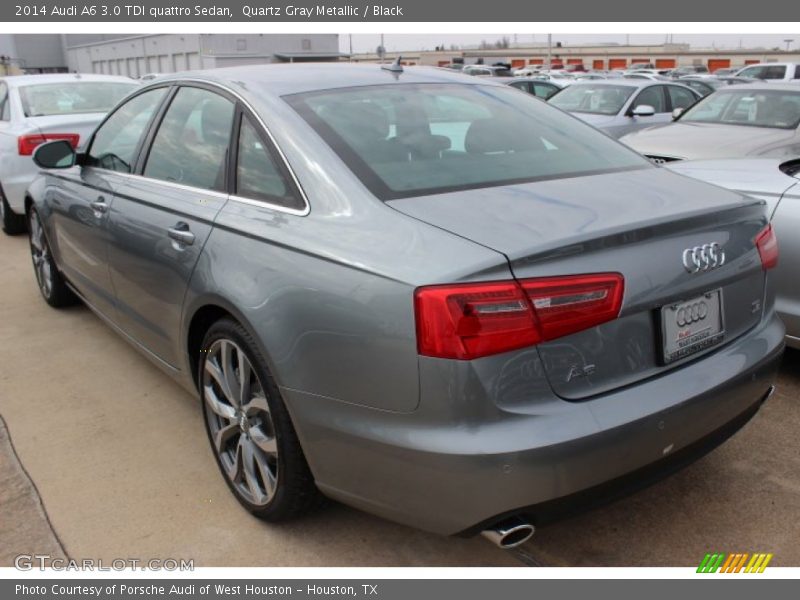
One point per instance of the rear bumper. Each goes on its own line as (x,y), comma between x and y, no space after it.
(461,461)
(16,177)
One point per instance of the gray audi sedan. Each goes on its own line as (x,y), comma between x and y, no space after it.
(621,106)
(424,295)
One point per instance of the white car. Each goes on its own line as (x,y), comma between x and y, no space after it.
(772,72)
(38,108)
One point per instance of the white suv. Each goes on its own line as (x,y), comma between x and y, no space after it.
(772,72)
(39,108)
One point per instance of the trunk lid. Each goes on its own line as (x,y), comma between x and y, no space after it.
(83,124)
(637,223)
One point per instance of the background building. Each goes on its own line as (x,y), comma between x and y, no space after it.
(611,56)
(139,55)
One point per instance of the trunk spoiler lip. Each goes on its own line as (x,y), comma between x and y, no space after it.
(623,235)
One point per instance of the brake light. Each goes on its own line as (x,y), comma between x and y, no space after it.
(467,321)
(767,245)
(26,144)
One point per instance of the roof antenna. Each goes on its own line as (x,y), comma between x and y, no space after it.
(395,67)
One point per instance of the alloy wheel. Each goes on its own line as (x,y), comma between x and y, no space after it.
(40,252)
(240,423)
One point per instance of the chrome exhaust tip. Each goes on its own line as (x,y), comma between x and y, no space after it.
(509,533)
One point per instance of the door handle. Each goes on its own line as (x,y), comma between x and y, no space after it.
(99,205)
(181,234)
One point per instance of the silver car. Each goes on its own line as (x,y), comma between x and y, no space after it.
(775,182)
(621,106)
(734,122)
(428,296)
(38,108)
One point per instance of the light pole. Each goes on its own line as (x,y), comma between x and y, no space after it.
(787,42)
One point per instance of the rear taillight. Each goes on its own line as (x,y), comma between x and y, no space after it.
(767,245)
(26,144)
(466,321)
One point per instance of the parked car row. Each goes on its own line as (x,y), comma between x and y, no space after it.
(381,280)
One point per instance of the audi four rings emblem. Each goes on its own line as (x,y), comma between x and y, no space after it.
(703,258)
(691,314)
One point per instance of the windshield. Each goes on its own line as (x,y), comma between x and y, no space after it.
(594,99)
(66,98)
(411,140)
(757,108)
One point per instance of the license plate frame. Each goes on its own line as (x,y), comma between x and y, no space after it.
(682,334)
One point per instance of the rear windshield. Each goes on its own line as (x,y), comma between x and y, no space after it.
(758,108)
(411,140)
(594,99)
(66,98)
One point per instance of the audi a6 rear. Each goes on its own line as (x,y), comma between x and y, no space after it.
(423,295)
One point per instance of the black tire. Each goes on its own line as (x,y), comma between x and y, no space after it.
(295,492)
(12,223)
(48,278)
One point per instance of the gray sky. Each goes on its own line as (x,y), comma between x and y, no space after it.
(399,42)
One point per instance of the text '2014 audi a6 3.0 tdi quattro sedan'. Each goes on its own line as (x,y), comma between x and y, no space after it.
(427,296)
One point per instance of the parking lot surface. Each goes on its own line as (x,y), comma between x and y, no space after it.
(121,462)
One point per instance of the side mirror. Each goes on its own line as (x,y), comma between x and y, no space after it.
(677,113)
(58,154)
(643,110)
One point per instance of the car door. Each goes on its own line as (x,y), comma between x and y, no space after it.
(786,221)
(81,203)
(162,217)
(627,122)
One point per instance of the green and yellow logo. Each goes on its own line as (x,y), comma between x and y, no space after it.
(719,562)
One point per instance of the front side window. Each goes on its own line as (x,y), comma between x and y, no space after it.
(652,96)
(191,145)
(72,97)
(757,108)
(410,140)
(753,72)
(593,98)
(115,142)
(258,174)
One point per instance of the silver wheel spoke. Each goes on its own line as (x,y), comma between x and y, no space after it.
(213,369)
(264,442)
(229,351)
(249,467)
(235,470)
(219,408)
(224,435)
(255,405)
(244,379)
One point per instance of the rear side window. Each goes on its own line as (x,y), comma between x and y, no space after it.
(4,109)
(115,142)
(775,72)
(406,140)
(680,97)
(544,91)
(259,175)
(797,72)
(191,145)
